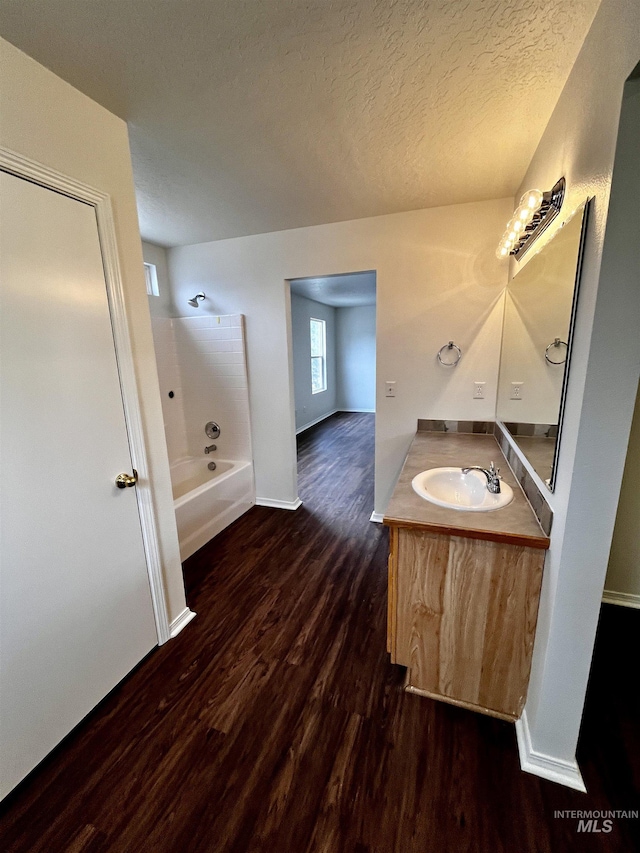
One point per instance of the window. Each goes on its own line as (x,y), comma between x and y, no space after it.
(318,355)
(151,277)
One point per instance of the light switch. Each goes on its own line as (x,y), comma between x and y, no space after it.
(390,388)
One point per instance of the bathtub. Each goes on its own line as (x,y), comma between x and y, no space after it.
(206,501)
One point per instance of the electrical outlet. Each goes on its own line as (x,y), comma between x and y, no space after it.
(516,390)
(478,390)
(390,388)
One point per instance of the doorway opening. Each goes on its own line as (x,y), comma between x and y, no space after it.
(333,352)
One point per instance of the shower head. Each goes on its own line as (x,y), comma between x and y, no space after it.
(194,302)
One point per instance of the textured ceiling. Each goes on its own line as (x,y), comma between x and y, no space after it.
(249,116)
(339,291)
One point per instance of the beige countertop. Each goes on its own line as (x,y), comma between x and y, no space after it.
(515,523)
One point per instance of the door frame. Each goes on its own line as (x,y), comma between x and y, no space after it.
(30,170)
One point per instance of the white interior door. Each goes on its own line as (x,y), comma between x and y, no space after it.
(76,612)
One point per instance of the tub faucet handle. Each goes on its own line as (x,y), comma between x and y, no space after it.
(210,448)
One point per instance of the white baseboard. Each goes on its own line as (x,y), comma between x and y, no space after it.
(317,421)
(558,770)
(180,622)
(377,517)
(328,415)
(624,599)
(279,504)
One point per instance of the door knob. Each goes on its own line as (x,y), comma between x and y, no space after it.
(124,480)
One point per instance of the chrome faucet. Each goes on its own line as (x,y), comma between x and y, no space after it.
(492,475)
(210,448)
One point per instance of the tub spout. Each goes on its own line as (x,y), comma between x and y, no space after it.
(210,448)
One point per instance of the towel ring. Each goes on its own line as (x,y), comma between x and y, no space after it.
(556,343)
(448,347)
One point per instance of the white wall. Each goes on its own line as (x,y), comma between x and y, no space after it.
(623,574)
(356,352)
(437,279)
(47,120)
(311,407)
(351,360)
(580,142)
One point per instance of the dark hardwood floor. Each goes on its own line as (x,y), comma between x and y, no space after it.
(275,724)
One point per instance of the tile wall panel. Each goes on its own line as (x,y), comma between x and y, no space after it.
(211,355)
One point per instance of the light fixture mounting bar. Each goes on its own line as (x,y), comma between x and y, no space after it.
(544,216)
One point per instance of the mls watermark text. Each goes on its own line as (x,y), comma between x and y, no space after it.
(596,820)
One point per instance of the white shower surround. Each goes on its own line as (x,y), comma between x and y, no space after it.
(202,361)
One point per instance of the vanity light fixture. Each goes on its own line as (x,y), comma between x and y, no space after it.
(535,213)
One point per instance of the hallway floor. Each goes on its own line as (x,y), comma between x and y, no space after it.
(275,723)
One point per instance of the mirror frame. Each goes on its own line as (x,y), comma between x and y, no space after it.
(551,483)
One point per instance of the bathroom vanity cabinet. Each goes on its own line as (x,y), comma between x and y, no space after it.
(463,587)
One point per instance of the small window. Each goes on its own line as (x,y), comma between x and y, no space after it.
(151,277)
(318,356)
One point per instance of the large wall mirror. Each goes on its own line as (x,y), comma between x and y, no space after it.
(539,315)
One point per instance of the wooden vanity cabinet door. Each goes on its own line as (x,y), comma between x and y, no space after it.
(421,567)
(465,618)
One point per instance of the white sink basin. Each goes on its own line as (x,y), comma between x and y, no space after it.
(450,488)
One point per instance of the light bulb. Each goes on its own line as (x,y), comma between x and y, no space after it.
(531,199)
(524,214)
(530,203)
